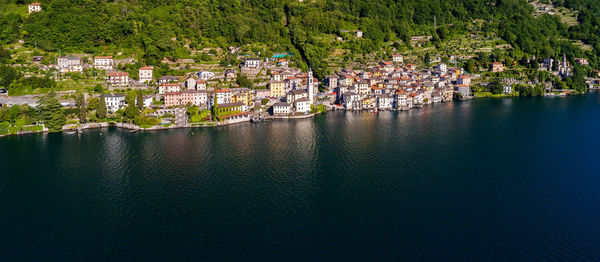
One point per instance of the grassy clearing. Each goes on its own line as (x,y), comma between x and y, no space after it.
(582,45)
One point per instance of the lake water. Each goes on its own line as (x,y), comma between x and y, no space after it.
(511,179)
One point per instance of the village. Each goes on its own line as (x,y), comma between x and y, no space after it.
(289,93)
(277,89)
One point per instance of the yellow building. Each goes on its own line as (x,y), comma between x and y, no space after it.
(244,96)
(277,88)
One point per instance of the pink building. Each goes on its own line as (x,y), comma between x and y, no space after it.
(497,67)
(185,97)
(172,99)
(118,79)
(193,97)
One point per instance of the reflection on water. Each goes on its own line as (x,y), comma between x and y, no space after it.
(486,177)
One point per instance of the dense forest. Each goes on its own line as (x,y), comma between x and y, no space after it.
(154,29)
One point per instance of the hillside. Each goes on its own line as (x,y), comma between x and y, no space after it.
(153,29)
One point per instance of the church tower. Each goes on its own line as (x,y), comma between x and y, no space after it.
(310,86)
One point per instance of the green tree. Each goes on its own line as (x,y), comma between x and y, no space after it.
(51,112)
(131,110)
(243,81)
(496,87)
(140,100)
(14,113)
(215,108)
(80,101)
(427,59)
(93,103)
(471,67)
(101,112)
(4,55)
(7,75)
(98,88)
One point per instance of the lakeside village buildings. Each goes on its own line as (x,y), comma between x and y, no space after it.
(389,85)
(392,86)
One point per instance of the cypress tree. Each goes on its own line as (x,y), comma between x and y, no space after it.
(82,108)
(215,107)
(140,100)
(131,111)
(101,111)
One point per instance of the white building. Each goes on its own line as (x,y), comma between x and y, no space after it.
(200,85)
(262,93)
(302,105)
(275,76)
(190,83)
(385,102)
(464,90)
(359,34)
(397,59)
(69,64)
(547,64)
(35,7)
(362,87)
(103,62)
(294,95)
(224,96)
(145,74)
(464,80)
(169,88)
(332,82)
(282,108)
(443,68)
(205,75)
(283,63)
(582,61)
(203,96)
(252,63)
(352,101)
(310,82)
(400,99)
(148,99)
(114,102)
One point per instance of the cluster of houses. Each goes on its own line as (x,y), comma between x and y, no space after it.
(296,92)
(114,78)
(294,89)
(563,66)
(395,86)
(115,102)
(389,85)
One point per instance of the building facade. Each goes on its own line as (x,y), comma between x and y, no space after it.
(103,62)
(118,79)
(35,7)
(114,102)
(145,74)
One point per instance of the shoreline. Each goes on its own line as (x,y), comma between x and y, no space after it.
(67,129)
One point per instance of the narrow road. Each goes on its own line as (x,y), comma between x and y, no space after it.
(10,101)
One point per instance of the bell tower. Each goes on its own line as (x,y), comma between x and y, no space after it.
(310,86)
